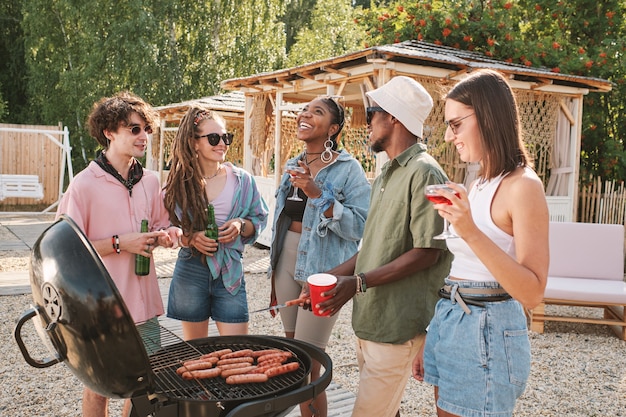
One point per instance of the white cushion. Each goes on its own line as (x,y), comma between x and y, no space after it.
(587,250)
(586,290)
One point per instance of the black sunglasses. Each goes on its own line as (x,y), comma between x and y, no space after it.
(214,138)
(369,113)
(136,129)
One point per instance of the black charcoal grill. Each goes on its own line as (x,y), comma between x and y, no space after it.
(86,325)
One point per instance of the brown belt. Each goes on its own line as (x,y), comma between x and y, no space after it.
(473,296)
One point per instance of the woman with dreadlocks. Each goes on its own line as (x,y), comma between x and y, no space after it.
(208,276)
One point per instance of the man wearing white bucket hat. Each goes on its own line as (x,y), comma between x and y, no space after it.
(399,269)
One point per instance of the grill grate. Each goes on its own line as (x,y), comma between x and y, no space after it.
(167,352)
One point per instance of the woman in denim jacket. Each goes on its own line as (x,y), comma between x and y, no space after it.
(319,232)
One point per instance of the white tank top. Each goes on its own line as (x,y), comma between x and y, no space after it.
(223,203)
(466,265)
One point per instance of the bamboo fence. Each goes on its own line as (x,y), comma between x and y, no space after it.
(602,202)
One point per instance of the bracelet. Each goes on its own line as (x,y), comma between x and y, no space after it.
(363,282)
(358,284)
(115,242)
(243,226)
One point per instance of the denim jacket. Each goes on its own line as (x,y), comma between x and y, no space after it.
(325,242)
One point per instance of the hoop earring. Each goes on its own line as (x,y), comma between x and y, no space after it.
(327,155)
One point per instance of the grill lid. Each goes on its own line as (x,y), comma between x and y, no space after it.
(83,314)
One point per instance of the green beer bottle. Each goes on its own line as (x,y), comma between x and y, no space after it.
(211,227)
(142,263)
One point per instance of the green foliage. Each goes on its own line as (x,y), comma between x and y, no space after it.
(57,57)
(329,34)
(13,77)
(3,107)
(78,51)
(582,38)
(297,15)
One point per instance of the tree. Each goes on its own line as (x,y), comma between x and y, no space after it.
(332,32)
(13,75)
(297,15)
(3,107)
(78,51)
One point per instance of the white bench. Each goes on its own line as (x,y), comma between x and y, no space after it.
(586,270)
(20,186)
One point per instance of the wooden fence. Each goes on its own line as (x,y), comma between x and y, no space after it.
(602,202)
(34,150)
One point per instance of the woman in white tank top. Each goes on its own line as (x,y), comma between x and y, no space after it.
(477,352)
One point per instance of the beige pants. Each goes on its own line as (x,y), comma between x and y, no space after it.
(306,326)
(384,369)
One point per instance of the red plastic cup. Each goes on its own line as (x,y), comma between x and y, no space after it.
(319,283)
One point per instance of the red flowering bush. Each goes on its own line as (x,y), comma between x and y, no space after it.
(581,38)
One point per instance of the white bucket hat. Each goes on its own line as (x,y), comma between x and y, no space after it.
(406,100)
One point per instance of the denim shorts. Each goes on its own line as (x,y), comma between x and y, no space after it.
(480,361)
(195,296)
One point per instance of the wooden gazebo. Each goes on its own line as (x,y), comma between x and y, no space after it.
(550,105)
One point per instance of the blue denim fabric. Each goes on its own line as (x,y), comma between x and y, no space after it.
(479,361)
(195,296)
(325,242)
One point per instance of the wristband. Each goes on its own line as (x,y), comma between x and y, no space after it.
(359,284)
(115,241)
(363,282)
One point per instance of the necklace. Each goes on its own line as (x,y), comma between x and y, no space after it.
(481,183)
(214,175)
(306,154)
(306,161)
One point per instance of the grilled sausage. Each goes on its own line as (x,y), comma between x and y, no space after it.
(245,359)
(210,360)
(264,366)
(246,379)
(202,374)
(237,354)
(258,353)
(217,353)
(282,369)
(273,356)
(234,365)
(196,366)
(237,371)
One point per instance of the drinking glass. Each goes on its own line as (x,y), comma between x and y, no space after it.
(431,194)
(297,168)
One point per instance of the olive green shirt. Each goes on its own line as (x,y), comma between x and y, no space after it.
(399,219)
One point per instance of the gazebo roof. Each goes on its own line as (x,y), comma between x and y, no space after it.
(405,57)
(231,102)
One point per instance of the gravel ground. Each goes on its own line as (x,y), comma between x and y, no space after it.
(577,370)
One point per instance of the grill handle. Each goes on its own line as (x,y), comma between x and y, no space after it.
(308,392)
(26,316)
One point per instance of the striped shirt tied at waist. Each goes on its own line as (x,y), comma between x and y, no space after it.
(473,296)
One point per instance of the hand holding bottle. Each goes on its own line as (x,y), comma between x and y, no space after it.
(141,243)
(142,263)
(204,245)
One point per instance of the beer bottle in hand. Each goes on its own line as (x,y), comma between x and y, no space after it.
(142,263)
(211,227)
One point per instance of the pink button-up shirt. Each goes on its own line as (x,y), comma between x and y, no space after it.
(102,207)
